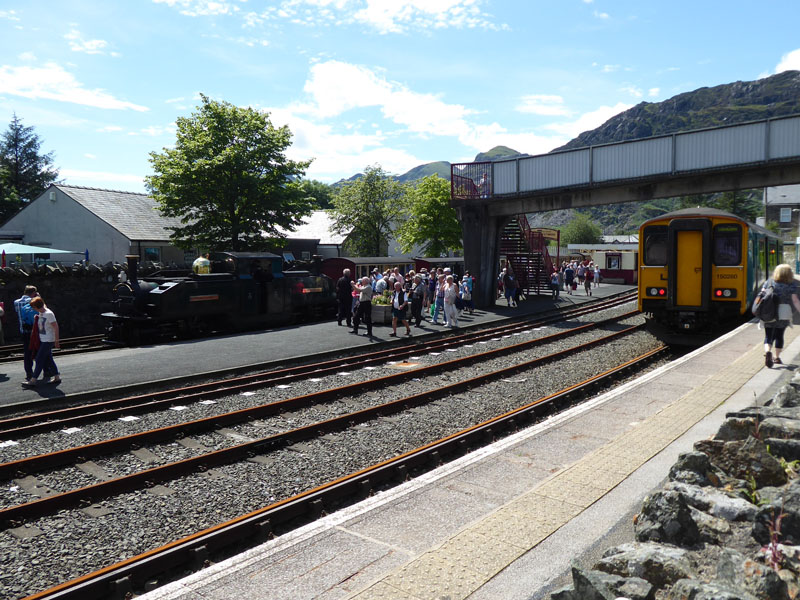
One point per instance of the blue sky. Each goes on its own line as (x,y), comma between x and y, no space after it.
(363,82)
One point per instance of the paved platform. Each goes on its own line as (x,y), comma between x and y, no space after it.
(126,366)
(505,522)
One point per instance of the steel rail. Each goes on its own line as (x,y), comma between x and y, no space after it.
(150,386)
(192,552)
(12,352)
(82,453)
(39,422)
(92,493)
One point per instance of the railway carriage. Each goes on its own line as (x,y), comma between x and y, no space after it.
(700,270)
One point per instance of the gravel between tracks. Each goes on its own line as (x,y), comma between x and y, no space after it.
(143,520)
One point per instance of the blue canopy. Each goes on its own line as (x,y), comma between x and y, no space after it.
(12,249)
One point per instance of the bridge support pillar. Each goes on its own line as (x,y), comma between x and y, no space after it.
(481,235)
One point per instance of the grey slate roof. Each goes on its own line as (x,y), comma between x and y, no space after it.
(134,215)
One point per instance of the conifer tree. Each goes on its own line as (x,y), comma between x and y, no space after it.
(24,171)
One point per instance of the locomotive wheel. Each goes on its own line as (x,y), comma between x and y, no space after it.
(192,327)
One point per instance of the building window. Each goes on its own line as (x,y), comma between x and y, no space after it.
(306,255)
(152,254)
(786,215)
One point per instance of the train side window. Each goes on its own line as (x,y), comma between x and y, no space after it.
(655,245)
(727,244)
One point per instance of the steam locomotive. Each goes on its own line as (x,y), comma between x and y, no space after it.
(244,290)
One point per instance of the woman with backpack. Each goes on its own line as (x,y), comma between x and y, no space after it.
(784,293)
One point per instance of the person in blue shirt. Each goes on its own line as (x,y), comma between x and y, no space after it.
(26,315)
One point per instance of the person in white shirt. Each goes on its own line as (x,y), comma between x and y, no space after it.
(47,327)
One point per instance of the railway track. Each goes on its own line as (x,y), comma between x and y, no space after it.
(74,345)
(304,505)
(83,408)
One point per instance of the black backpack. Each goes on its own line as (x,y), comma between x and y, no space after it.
(765,306)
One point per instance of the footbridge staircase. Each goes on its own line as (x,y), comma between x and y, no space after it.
(525,250)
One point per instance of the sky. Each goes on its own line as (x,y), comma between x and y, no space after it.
(394,83)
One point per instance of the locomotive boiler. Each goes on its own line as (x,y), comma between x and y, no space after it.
(244,290)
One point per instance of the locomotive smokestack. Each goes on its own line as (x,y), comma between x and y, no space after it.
(133,268)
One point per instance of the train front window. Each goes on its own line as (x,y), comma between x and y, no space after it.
(655,245)
(727,244)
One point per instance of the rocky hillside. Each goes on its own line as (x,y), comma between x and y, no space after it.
(705,107)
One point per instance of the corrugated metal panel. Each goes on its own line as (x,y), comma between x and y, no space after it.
(720,147)
(784,138)
(554,170)
(633,159)
(505,177)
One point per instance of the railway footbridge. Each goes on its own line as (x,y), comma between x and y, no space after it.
(734,157)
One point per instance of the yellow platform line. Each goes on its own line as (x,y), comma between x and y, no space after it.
(465,562)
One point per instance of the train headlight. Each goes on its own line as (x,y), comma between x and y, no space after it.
(654,291)
(725,293)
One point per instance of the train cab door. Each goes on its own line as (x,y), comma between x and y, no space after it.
(689,264)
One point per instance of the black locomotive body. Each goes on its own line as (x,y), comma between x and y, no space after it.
(245,290)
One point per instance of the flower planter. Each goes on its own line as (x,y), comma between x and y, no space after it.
(381,314)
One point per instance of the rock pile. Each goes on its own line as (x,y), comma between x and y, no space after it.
(726,525)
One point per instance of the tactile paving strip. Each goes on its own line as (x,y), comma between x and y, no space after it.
(466,561)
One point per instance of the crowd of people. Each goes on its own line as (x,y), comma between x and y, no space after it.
(423,293)
(573,274)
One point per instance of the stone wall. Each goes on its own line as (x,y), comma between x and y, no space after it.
(77,295)
(725,526)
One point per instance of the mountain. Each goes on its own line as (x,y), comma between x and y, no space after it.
(704,107)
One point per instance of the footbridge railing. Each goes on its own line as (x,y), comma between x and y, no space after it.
(765,142)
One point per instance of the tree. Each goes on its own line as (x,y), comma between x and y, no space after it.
(746,204)
(431,223)
(368,209)
(320,193)
(581,230)
(24,172)
(228,181)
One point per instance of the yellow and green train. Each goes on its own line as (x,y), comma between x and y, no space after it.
(700,270)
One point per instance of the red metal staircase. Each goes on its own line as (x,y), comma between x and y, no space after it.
(525,250)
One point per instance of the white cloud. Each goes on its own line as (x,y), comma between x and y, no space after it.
(601,15)
(336,87)
(109,129)
(541,104)
(201,8)
(632,90)
(653,92)
(789,62)
(78,44)
(610,68)
(90,156)
(156,130)
(27,57)
(588,121)
(385,16)
(11,15)
(53,82)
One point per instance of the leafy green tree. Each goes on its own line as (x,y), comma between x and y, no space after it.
(320,193)
(368,209)
(24,171)
(228,180)
(581,230)
(430,222)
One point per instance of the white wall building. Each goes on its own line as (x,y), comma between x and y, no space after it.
(107,223)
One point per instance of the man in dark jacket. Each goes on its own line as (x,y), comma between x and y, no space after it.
(344,298)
